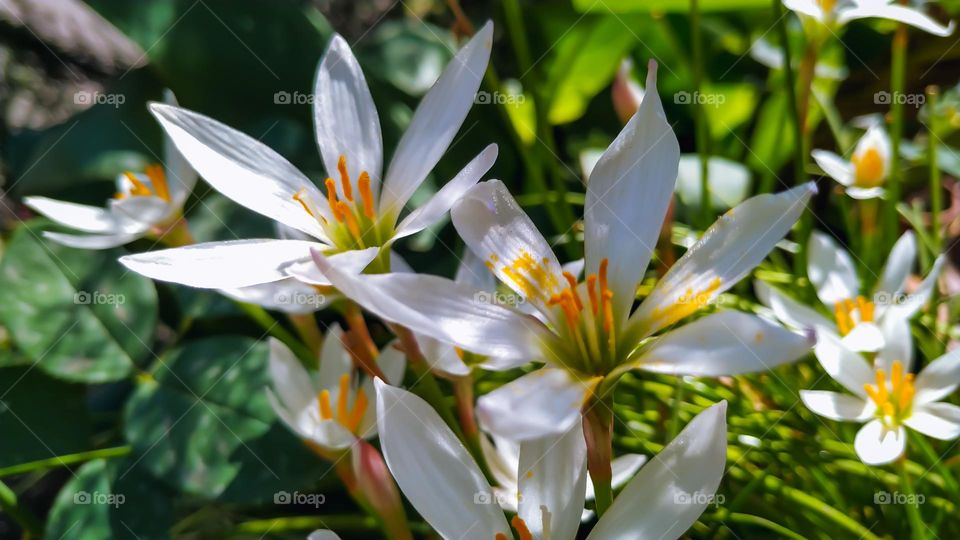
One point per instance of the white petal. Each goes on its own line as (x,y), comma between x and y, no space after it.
(442,357)
(876,445)
(291,382)
(242,168)
(835,166)
(838,406)
(334,360)
(896,12)
(628,195)
(545,402)
(438,205)
(77,216)
(222,265)
(937,420)
(473,272)
(788,310)
(146,211)
(728,251)
(91,241)
(286,295)
(811,8)
(442,309)
(392,363)
(353,261)
(725,343)
(916,300)
(494,227)
(623,468)
(552,482)
(434,470)
(845,366)
(899,262)
(436,121)
(897,344)
(673,489)
(939,379)
(345,117)
(865,337)
(323,535)
(831,270)
(863,194)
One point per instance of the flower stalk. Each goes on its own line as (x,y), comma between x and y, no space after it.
(898,66)
(598,431)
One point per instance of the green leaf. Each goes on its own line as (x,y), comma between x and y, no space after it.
(79,314)
(408,55)
(204,425)
(111,500)
(736,103)
(665,6)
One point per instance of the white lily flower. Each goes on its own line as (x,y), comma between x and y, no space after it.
(585,330)
(357,212)
(145,203)
(837,13)
(863,325)
(864,174)
(444,484)
(887,398)
(329,409)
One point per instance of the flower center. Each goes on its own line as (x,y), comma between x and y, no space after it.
(355,219)
(827,5)
(851,312)
(157,188)
(868,169)
(893,399)
(344,415)
(533,277)
(523,533)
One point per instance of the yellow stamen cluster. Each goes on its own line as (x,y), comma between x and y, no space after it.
(158,182)
(523,532)
(356,216)
(601,304)
(534,278)
(346,416)
(868,168)
(850,312)
(687,304)
(894,400)
(827,5)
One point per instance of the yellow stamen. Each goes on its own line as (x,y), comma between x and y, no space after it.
(591,291)
(882,385)
(907,392)
(139,188)
(868,168)
(572,281)
(359,408)
(521,527)
(159,180)
(865,308)
(298,196)
(332,199)
(607,310)
(366,195)
(844,324)
(351,220)
(500,536)
(326,413)
(343,413)
(603,287)
(688,303)
(345,178)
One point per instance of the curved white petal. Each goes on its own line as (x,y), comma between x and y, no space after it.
(865,337)
(937,420)
(845,366)
(918,298)
(725,343)
(436,121)
(673,489)
(323,535)
(494,227)
(831,270)
(441,309)
(628,195)
(863,194)
(222,265)
(897,344)
(623,469)
(438,205)
(899,262)
(552,484)
(82,217)
(939,379)
(835,166)
(544,402)
(442,357)
(335,360)
(242,168)
(286,295)
(811,8)
(895,12)
(838,406)
(142,212)
(291,382)
(91,241)
(788,310)
(876,445)
(473,272)
(434,470)
(345,117)
(353,261)
(728,251)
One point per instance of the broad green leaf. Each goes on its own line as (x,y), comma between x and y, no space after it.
(665,6)
(79,314)
(408,55)
(520,109)
(204,425)
(736,104)
(773,140)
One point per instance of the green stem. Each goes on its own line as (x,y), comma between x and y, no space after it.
(11,507)
(598,431)
(898,66)
(917,528)
(700,117)
(275,329)
(306,326)
(62,461)
(790,83)
(936,184)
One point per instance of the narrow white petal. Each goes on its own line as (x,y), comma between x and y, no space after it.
(442,357)
(835,166)
(242,168)
(876,445)
(287,295)
(438,205)
(323,535)
(545,402)
(181,178)
(831,270)
(335,360)
(897,269)
(434,470)
(863,194)
(811,8)
(865,337)
(623,468)
(353,261)
(141,212)
(436,121)
(222,265)
(76,216)
(838,406)
(939,379)
(291,382)
(845,366)
(937,420)
(788,310)
(725,343)
(897,344)
(918,298)
(552,483)
(628,195)
(392,363)
(728,251)
(91,241)
(473,272)
(894,12)
(674,488)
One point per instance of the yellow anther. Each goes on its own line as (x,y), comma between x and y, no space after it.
(366,195)
(607,310)
(326,412)
(604,298)
(345,178)
(868,168)
(500,536)
(572,281)
(343,413)
(881,385)
(359,408)
(139,188)
(332,199)
(523,533)
(350,219)
(592,293)
(866,309)
(893,403)
(907,392)
(827,5)
(298,196)
(688,303)
(159,180)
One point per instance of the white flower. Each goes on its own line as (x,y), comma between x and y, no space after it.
(329,408)
(357,215)
(865,325)
(837,13)
(588,330)
(887,397)
(867,170)
(145,203)
(444,484)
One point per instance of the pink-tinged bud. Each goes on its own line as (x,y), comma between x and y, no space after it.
(378,488)
(626,93)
